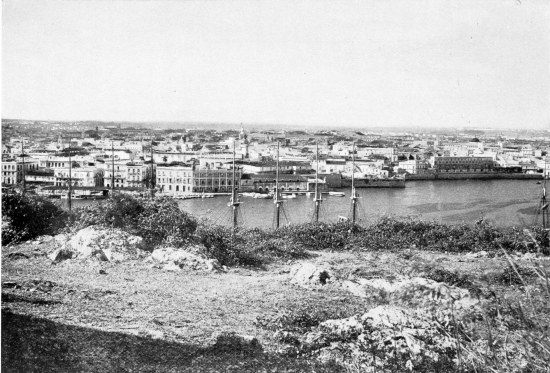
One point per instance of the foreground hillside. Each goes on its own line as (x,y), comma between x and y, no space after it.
(137,285)
(90,315)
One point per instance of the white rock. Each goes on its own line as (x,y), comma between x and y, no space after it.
(106,244)
(182,258)
(436,292)
(307,275)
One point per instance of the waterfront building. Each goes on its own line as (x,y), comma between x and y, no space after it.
(175,178)
(136,174)
(215,180)
(79,176)
(10,174)
(42,177)
(414,166)
(266,182)
(368,167)
(118,171)
(329,165)
(271,166)
(12,169)
(463,164)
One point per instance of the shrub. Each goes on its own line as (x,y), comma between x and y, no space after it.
(161,221)
(118,211)
(26,216)
(322,236)
(509,276)
(158,221)
(452,278)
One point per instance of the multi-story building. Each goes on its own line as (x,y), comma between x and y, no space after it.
(215,180)
(42,177)
(330,165)
(464,164)
(175,179)
(265,183)
(414,166)
(10,175)
(136,174)
(271,167)
(115,173)
(216,159)
(54,162)
(367,167)
(79,176)
(13,170)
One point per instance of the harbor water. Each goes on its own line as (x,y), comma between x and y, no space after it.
(501,202)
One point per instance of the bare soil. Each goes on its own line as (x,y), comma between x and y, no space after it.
(129,317)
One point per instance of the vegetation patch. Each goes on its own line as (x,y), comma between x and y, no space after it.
(158,221)
(27,216)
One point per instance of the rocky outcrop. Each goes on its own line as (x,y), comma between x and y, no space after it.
(309,275)
(382,337)
(421,291)
(174,259)
(105,244)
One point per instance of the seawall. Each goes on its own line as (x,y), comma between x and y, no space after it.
(478,176)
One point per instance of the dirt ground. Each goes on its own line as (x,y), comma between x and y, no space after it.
(130,317)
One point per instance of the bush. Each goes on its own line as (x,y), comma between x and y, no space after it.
(119,211)
(158,221)
(162,222)
(248,247)
(26,216)
(395,234)
(322,236)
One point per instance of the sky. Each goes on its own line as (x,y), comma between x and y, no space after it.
(367,63)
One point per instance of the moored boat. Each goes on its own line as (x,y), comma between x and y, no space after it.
(337,194)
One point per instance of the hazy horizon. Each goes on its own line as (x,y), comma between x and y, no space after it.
(364,64)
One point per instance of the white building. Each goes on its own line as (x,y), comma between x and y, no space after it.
(174,179)
(414,166)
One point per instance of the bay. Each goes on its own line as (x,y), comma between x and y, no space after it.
(503,203)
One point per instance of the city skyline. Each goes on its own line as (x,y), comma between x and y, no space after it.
(366,64)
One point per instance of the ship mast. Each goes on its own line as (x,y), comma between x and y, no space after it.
(278,200)
(318,198)
(234,196)
(151,183)
(70,191)
(113,169)
(23,170)
(544,208)
(353,193)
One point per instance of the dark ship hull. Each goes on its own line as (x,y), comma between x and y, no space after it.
(375,183)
